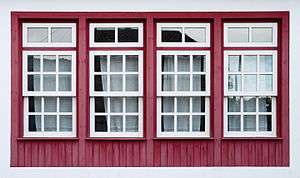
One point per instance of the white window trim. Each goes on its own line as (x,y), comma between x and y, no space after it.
(116,43)
(183,43)
(184,93)
(122,94)
(253,93)
(250,43)
(49,43)
(204,134)
(256,133)
(27,133)
(49,93)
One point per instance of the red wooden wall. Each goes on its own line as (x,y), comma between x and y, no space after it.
(149,150)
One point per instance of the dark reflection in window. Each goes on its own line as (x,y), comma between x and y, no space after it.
(167,124)
(202,124)
(265,104)
(33,83)
(128,34)
(33,63)
(265,123)
(100,124)
(171,34)
(100,82)
(100,63)
(34,123)
(104,34)
(101,104)
(203,83)
(34,104)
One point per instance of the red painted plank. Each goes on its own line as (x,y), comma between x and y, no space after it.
(170,153)
(136,154)
(129,153)
(123,154)
(265,153)
(21,154)
(143,161)
(238,153)
(183,155)
(109,154)
(41,153)
(68,154)
(34,154)
(272,154)
(197,155)
(103,155)
(204,153)
(157,153)
(116,154)
(48,154)
(28,152)
(252,153)
(163,154)
(75,154)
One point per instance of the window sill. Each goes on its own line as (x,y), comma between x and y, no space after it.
(115,139)
(48,139)
(183,138)
(252,138)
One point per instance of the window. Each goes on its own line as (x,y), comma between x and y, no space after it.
(250,34)
(49,34)
(116,90)
(116,34)
(183,34)
(49,91)
(183,93)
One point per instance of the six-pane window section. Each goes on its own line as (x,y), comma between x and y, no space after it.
(49,82)
(183,81)
(250,80)
(116,81)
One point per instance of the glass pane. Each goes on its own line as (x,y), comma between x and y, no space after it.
(265,123)
(100,82)
(234,63)
(65,82)
(34,104)
(132,104)
(199,63)
(183,82)
(234,104)
(116,63)
(265,82)
(183,63)
(198,104)
(49,83)
(33,64)
(132,82)
(50,104)
(265,104)
(34,123)
(171,34)
(195,34)
(116,104)
(37,34)
(238,34)
(167,123)
(266,63)
(100,63)
(61,34)
(199,83)
(128,34)
(101,104)
(116,82)
(249,123)
(50,123)
(198,124)
(132,63)
(168,82)
(249,104)
(167,63)
(262,34)
(250,64)
(234,82)
(131,123)
(65,63)
(65,104)
(100,123)
(234,123)
(104,34)
(183,104)
(33,83)
(116,124)
(49,63)
(167,104)
(65,123)
(183,123)
(249,82)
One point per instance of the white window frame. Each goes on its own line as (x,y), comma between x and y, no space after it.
(49,43)
(183,43)
(49,93)
(250,93)
(250,43)
(116,43)
(123,94)
(190,94)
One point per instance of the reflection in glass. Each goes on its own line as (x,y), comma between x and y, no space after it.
(195,34)
(116,124)
(131,123)
(61,34)
(167,123)
(238,34)
(128,34)
(234,82)
(234,123)
(37,34)
(104,34)
(100,123)
(183,123)
(171,34)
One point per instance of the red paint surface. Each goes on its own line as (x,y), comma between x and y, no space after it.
(149,150)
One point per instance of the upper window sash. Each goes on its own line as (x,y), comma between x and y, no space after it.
(41,72)
(245,71)
(175,73)
(108,73)
(250,34)
(187,35)
(113,34)
(49,35)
